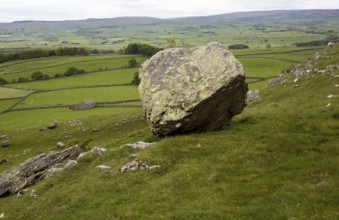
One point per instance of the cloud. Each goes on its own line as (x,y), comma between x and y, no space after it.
(81,9)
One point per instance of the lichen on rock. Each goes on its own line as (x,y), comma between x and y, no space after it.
(186,90)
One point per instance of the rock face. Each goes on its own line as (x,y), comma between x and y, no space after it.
(32,170)
(191,90)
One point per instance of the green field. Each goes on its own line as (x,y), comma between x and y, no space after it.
(276,160)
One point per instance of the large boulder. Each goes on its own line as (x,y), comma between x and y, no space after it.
(196,89)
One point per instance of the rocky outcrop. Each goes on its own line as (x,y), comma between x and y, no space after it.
(33,170)
(188,90)
(137,165)
(138,145)
(83,105)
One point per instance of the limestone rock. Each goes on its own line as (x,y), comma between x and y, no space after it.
(99,151)
(60,144)
(3,137)
(71,163)
(33,170)
(252,95)
(102,167)
(138,145)
(137,165)
(52,125)
(6,143)
(191,90)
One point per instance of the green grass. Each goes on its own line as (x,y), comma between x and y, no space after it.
(277,160)
(12,93)
(74,96)
(123,76)
(59,66)
(5,104)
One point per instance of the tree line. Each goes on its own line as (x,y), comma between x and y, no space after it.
(43,52)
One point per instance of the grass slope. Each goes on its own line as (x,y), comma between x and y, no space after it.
(277,160)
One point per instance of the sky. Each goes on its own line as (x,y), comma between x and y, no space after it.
(56,10)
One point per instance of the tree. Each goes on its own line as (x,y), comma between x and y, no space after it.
(37,75)
(136,79)
(132,63)
(2,80)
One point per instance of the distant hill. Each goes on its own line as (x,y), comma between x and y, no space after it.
(254,16)
(274,15)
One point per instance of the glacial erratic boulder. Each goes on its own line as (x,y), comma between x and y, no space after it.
(185,90)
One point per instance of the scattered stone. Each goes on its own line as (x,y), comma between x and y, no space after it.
(41,129)
(336,85)
(296,80)
(331,44)
(75,122)
(252,95)
(71,163)
(199,89)
(321,72)
(3,137)
(132,156)
(60,144)
(33,193)
(6,143)
(137,165)
(2,215)
(67,136)
(20,194)
(53,170)
(3,161)
(52,125)
(82,155)
(329,105)
(330,96)
(83,105)
(26,151)
(333,67)
(33,170)
(96,129)
(102,167)
(138,145)
(99,151)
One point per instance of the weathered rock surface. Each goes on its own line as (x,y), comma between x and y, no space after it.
(52,125)
(33,170)
(186,90)
(137,165)
(252,95)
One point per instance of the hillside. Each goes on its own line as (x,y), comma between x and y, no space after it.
(277,160)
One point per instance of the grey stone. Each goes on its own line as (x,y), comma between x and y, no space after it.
(138,145)
(102,167)
(252,95)
(33,170)
(99,150)
(137,165)
(83,105)
(53,170)
(52,125)
(3,161)
(60,144)
(71,163)
(96,129)
(6,143)
(185,90)
(3,137)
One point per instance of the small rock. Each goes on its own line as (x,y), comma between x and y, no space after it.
(50,172)
(20,194)
(132,156)
(60,144)
(67,136)
(154,167)
(3,137)
(336,85)
(33,193)
(99,151)
(41,129)
(252,95)
(139,144)
(102,167)
(96,129)
(82,155)
(6,143)
(3,161)
(71,163)
(135,165)
(52,125)
(26,151)
(329,105)
(330,96)
(2,215)
(296,80)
